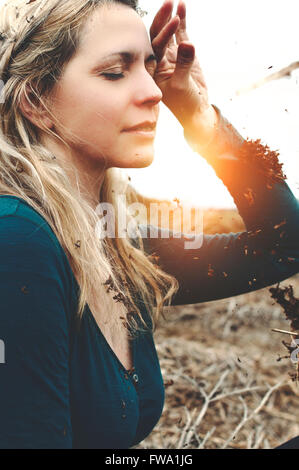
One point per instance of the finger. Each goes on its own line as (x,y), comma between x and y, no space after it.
(165,37)
(185,59)
(161,18)
(181,34)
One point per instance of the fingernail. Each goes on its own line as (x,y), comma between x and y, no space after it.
(187,53)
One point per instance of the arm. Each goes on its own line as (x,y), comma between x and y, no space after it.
(232,264)
(34,391)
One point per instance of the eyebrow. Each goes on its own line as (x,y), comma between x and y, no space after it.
(129,57)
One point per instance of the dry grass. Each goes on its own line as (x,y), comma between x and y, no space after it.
(225,387)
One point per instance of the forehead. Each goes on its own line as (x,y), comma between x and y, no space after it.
(113,27)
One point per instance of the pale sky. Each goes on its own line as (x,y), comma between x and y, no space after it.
(236,42)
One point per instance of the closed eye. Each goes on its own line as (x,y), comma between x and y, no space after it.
(113,76)
(116,76)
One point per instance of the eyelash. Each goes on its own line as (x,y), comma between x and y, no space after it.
(113,76)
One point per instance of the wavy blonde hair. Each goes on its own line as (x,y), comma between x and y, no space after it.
(37,39)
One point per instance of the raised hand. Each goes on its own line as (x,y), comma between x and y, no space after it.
(179,75)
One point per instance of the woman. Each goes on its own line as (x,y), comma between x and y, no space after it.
(82,89)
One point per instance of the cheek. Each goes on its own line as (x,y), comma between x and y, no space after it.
(89,113)
(107,113)
(96,110)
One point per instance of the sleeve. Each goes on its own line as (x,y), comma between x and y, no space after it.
(225,265)
(34,333)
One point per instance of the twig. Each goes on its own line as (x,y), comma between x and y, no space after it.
(207,400)
(266,444)
(239,426)
(281,415)
(249,439)
(285,332)
(259,436)
(219,441)
(237,392)
(184,432)
(207,436)
(247,418)
(284,72)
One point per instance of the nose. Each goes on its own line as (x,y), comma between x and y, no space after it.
(147,92)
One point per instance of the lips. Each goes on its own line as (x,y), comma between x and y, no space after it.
(146,126)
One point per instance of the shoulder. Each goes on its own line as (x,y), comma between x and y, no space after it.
(29,245)
(16,213)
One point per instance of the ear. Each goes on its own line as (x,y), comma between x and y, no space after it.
(34,111)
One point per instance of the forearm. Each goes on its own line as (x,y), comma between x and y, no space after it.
(254,178)
(212,136)
(232,264)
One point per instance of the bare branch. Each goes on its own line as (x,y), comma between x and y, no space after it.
(285,332)
(186,437)
(184,432)
(282,73)
(247,418)
(237,392)
(207,436)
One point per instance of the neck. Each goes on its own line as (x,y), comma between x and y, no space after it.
(86,174)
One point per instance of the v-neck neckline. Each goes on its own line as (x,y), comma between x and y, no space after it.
(99,331)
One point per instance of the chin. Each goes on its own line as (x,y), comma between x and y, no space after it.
(143,163)
(140,160)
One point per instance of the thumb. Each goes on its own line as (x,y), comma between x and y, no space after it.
(185,59)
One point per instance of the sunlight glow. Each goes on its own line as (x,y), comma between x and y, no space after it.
(237,44)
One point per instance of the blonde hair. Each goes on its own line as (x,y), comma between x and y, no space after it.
(37,39)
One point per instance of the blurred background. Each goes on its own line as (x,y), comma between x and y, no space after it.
(238,44)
